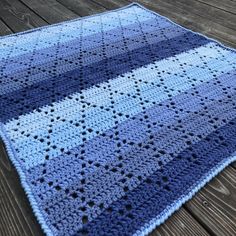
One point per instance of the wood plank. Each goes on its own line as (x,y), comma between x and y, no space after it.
(112,4)
(10,223)
(226,5)
(192,21)
(18,17)
(50,10)
(15,212)
(4,29)
(83,7)
(208,12)
(215,205)
(180,223)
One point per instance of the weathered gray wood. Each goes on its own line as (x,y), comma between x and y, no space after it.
(18,17)
(180,224)
(16,216)
(208,12)
(192,21)
(226,5)
(4,29)
(50,10)
(215,205)
(112,4)
(83,7)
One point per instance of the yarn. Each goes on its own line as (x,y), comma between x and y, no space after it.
(113,121)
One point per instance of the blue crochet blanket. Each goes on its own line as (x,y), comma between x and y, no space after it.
(114,121)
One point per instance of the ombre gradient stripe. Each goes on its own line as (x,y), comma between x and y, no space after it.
(97,117)
(106,118)
(82,78)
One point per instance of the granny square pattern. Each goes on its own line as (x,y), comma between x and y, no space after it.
(114,121)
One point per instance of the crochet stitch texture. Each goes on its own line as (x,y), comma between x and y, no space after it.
(113,121)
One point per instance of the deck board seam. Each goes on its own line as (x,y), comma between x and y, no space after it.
(5,23)
(218,8)
(69,8)
(198,221)
(31,9)
(98,3)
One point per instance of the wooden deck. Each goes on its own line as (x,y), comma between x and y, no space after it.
(213,210)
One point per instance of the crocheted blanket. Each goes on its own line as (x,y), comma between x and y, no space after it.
(114,121)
